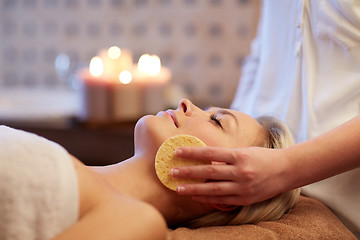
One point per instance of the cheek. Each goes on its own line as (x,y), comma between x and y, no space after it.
(217,141)
(210,136)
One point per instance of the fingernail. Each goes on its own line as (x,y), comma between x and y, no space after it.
(178,151)
(180,189)
(174,172)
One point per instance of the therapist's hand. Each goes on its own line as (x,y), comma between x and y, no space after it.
(243,176)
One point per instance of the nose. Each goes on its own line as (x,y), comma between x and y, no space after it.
(186,106)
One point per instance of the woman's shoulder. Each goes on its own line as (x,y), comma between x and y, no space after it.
(93,191)
(123,215)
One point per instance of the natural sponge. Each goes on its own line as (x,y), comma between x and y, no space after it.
(166,160)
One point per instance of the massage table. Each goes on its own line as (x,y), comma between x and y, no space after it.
(309,219)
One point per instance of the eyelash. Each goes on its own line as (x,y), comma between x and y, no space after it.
(216,120)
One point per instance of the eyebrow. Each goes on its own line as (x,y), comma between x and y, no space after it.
(226,112)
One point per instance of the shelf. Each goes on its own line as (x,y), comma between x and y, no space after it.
(92,144)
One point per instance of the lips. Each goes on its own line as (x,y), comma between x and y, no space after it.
(172,115)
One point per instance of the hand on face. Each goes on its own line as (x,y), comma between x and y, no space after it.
(250,174)
(224,131)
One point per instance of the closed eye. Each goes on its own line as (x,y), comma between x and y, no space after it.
(216,120)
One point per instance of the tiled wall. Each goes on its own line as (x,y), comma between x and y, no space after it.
(202,41)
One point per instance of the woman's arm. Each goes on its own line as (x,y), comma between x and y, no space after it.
(116,219)
(257,173)
(105,214)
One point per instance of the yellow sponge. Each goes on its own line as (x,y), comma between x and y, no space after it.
(166,160)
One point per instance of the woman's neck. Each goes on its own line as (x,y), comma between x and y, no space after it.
(136,178)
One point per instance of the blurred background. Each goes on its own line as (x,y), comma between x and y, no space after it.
(43,44)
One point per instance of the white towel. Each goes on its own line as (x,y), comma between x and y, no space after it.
(38,187)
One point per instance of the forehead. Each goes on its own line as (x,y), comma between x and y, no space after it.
(245,130)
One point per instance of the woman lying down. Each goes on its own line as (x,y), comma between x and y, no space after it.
(48,194)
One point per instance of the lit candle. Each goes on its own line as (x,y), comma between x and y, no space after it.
(153,79)
(115,61)
(126,98)
(149,71)
(96,67)
(95,93)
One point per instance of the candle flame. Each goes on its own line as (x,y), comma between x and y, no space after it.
(125,77)
(149,64)
(96,67)
(114,52)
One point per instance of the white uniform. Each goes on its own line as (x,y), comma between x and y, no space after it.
(304,69)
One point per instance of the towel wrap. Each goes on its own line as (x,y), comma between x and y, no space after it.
(39,195)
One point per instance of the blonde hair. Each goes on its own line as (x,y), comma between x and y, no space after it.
(277,136)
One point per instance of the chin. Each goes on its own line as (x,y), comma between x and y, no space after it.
(150,133)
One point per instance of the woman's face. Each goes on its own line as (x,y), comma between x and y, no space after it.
(215,127)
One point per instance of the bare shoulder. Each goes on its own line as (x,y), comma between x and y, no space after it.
(104,212)
(92,191)
(131,215)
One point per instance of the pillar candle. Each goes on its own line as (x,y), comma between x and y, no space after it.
(127,104)
(95,98)
(152,79)
(115,61)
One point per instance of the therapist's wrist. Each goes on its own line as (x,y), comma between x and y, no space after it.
(292,172)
